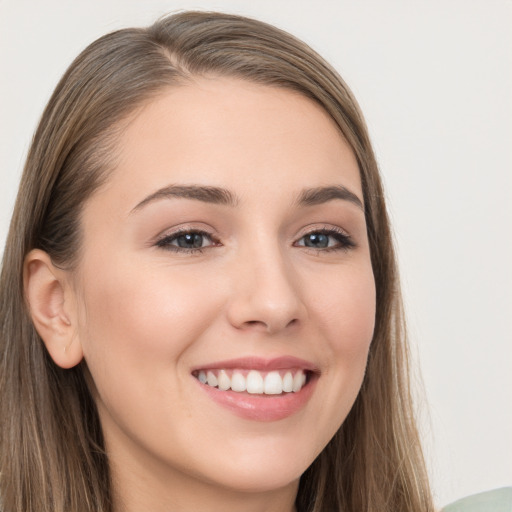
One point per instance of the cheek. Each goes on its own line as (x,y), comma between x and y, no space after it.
(345,315)
(342,314)
(137,318)
(345,312)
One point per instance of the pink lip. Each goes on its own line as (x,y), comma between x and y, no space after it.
(262,407)
(261,364)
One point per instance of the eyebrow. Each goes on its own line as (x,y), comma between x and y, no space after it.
(222,196)
(319,195)
(206,194)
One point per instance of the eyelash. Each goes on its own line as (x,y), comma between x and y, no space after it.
(344,241)
(166,241)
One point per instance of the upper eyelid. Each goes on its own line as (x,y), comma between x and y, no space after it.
(330,232)
(303,232)
(323,228)
(184,229)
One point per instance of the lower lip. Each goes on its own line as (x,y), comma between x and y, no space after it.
(261,407)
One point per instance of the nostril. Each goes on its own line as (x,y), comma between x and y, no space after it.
(255,324)
(271,326)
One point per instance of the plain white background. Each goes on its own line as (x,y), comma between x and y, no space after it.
(434,80)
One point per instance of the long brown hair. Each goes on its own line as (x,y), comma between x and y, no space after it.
(52,456)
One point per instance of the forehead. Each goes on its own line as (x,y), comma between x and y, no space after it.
(234,134)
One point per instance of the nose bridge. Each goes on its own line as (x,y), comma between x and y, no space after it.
(266,293)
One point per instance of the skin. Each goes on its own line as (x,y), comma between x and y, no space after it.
(143,316)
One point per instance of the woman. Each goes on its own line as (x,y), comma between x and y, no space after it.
(200,307)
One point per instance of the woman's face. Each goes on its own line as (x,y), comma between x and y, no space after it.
(229,244)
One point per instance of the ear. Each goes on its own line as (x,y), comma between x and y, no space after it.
(51,302)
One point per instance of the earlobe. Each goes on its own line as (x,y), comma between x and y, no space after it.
(51,306)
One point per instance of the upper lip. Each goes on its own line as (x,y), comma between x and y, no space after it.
(260,364)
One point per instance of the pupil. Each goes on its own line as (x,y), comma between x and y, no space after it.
(190,240)
(317,240)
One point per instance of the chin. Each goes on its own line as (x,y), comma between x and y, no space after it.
(265,471)
(261,480)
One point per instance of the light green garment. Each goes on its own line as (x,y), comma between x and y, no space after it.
(499,500)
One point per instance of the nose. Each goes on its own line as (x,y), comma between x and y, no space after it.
(266,294)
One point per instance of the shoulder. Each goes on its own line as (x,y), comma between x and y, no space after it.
(498,500)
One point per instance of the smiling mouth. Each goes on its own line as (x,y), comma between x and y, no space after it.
(254,382)
(259,389)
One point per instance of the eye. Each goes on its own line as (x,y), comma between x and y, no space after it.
(186,241)
(326,239)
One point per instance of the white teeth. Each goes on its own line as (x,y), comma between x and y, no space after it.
(288,382)
(224,380)
(256,383)
(212,380)
(238,382)
(273,384)
(297,382)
